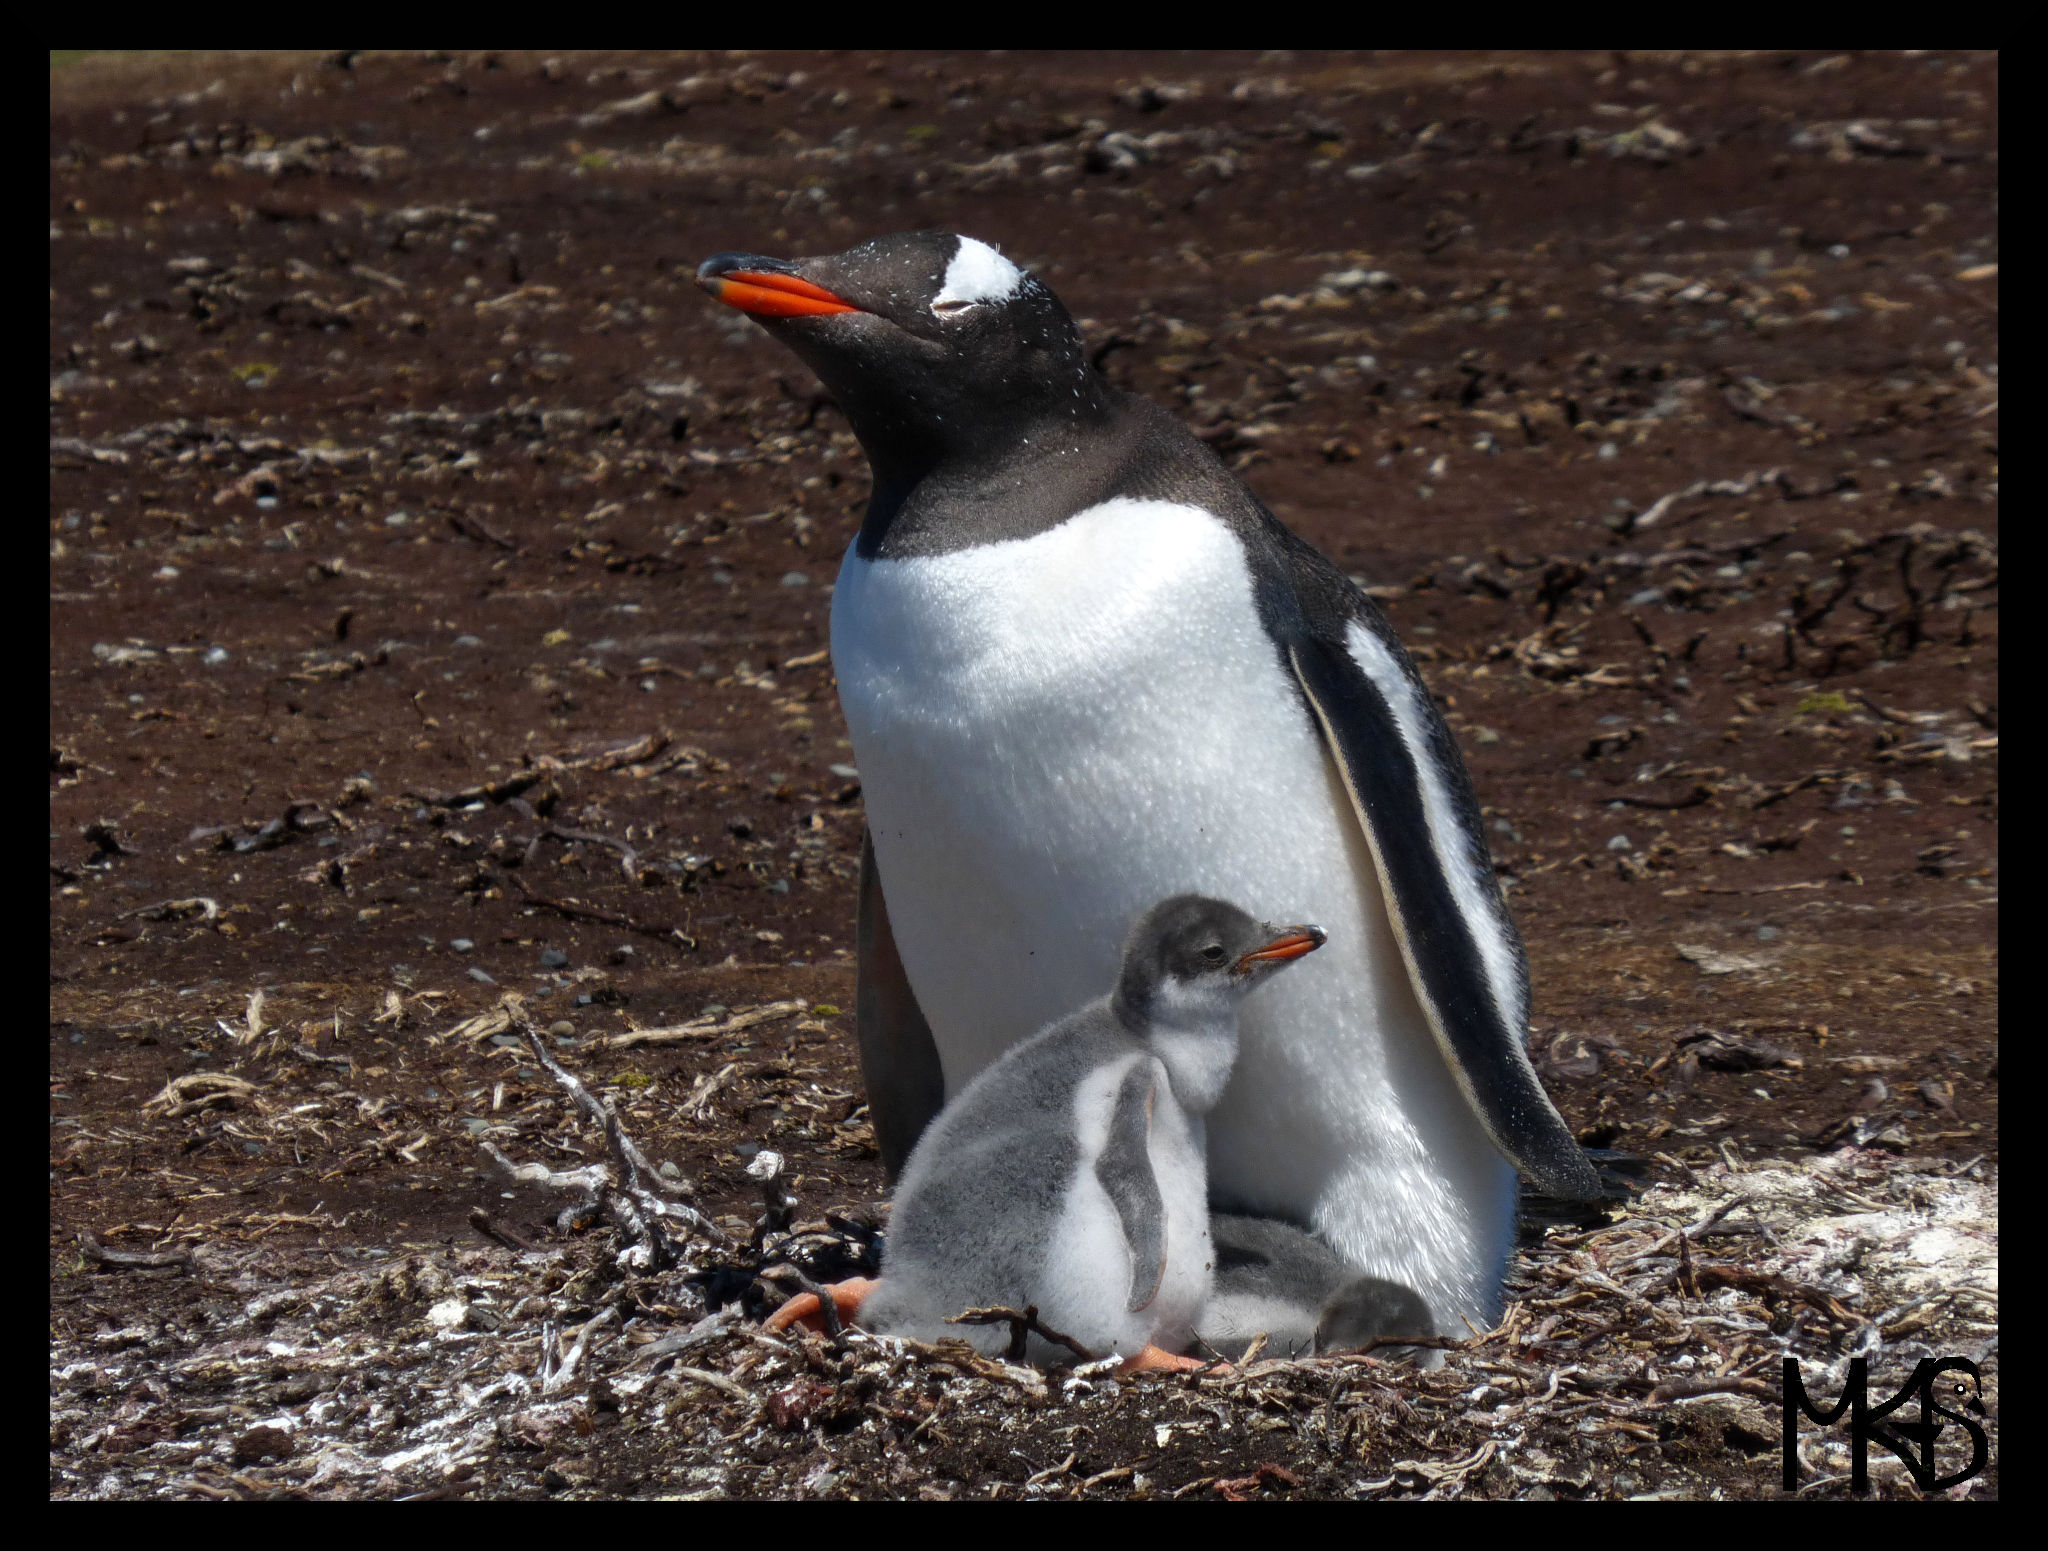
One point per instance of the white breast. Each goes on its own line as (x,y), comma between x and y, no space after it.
(1087,1275)
(1055,733)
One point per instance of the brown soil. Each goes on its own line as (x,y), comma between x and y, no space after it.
(440,586)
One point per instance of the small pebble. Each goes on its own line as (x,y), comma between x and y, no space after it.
(481,978)
(462,945)
(1766,933)
(265,1442)
(795,579)
(844,772)
(554,958)
(1620,843)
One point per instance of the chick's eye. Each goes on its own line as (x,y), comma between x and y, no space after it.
(1213,953)
(951,309)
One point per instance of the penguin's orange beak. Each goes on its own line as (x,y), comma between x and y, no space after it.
(767,294)
(1290,944)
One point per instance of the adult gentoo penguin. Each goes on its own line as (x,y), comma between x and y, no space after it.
(1068,1174)
(1084,669)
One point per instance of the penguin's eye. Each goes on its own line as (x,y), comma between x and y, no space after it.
(1213,953)
(952,308)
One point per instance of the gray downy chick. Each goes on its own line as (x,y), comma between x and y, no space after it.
(1070,1173)
(1276,1279)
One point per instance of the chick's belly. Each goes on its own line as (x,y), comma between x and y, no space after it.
(1190,1256)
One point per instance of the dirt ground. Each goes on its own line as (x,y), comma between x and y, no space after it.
(439,597)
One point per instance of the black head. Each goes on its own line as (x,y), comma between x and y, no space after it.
(1191,953)
(936,346)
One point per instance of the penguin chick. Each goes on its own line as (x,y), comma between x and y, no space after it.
(1371,1308)
(1277,1280)
(1069,1174)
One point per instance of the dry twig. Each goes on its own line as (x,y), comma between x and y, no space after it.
(136,1259)
(639,1199)
(1023,1322)
(703,1028)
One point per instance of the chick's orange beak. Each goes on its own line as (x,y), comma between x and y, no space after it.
(1290,944)
(773,296)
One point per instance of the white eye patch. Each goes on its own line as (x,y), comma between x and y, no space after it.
(977,273)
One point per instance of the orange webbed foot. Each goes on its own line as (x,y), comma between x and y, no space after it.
(1152,1359)
(804,1309)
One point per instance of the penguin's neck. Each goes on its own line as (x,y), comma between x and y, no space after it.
(995,477)
(1195,1039)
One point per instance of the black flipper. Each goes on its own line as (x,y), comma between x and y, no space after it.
(1409,785)
(1414,799)
(899,1059)
(1125,1170)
